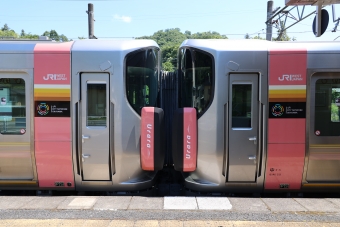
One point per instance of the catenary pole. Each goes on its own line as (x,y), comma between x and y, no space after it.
(269,24)
(91,21)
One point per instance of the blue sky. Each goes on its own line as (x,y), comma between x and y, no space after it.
(134,18)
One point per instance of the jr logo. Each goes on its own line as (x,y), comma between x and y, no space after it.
(55,77)
(286,77)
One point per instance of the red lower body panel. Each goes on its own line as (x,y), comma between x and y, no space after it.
(284,166)
(53,152)
(286,153)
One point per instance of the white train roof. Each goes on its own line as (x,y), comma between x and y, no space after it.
(217,45)
(79,45)
(112,45)
(17,47)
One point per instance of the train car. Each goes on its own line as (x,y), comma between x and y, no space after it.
(258,116)
(80,115)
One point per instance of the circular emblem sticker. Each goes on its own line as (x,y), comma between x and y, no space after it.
(317,132)
(43,109)
(277,110)
(22,131)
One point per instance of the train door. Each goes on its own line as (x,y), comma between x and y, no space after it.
(243,127)
(324,128)
(94,126)
(16,157)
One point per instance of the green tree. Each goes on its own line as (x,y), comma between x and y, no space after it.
(258,37)
(282,36)
(30,36)
(22,33)
(169,41)
(167,66)
(46,33)
(7,32)
(53,34)
(63,38)
(167,37)
(5,28)
(207,35)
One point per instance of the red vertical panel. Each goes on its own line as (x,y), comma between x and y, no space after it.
(52,82)
(189,139)
(286,130)
(147,138)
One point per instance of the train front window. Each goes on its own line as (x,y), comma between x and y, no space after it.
(142,79)
(12,106)
(196,76)
(327,107)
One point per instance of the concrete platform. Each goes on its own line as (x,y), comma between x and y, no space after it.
(239,204)
(152,223)
(167,211)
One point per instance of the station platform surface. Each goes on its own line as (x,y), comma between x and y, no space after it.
(167,211)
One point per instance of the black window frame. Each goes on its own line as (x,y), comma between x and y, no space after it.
(126,79)
(321,98)
(181,96)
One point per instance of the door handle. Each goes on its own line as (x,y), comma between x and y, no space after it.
(252,157)
(253,139)
(85,138)
(85,156)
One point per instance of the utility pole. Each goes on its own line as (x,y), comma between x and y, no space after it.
(269,23)
(91,21)
(318,19)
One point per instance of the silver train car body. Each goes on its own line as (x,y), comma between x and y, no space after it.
(267,116)
(70,115)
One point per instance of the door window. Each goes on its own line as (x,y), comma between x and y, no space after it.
(12,106)
(96,105)
(241,105)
